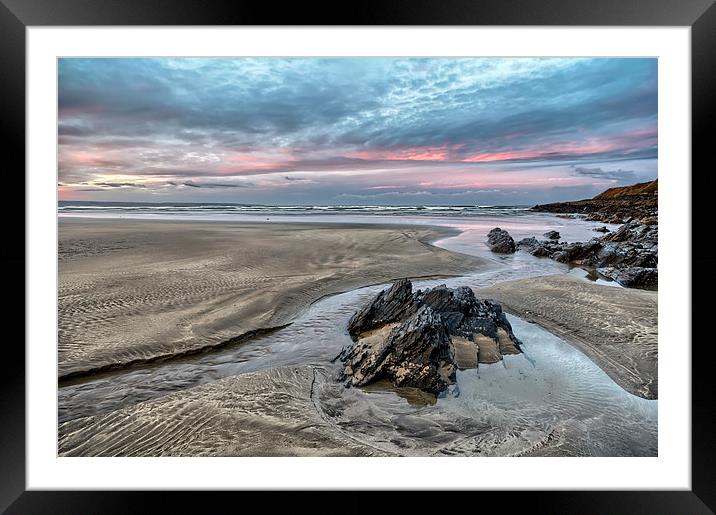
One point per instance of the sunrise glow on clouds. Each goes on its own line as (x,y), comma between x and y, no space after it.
(354,130)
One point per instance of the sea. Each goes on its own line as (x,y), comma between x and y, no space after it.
(212,210)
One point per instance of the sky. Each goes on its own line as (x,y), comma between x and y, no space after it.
(354,131)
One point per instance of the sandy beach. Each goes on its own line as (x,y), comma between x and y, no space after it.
(132,292)
(615,327)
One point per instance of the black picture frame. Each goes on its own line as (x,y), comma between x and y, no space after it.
(17,15)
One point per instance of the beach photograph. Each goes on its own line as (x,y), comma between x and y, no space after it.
(357,257)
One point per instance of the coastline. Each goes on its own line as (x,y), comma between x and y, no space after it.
(135,292)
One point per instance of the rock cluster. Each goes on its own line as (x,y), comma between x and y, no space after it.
(500,241)
(410,337)
(628,255)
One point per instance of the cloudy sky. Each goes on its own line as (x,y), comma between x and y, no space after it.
(354,130)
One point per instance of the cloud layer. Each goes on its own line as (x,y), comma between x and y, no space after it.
(311,130)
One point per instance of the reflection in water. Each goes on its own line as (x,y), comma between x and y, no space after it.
(552,400)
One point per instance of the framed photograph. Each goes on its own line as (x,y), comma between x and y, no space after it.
(302,251)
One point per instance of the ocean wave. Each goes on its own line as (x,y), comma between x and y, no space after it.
(179,208)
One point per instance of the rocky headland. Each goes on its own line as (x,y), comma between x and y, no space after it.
(419,339)
(615,205)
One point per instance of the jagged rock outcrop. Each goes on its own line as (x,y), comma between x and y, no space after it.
(420,338)
(615,205)
(418,352)
(500,241)
(391,305)
(628,255)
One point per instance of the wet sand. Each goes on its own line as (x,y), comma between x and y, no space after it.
(551,401)
(615,327)
(267,413)
(136,291)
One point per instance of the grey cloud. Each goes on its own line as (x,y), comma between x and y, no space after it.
(135,96)
(120,184)
(193,184)
(146,97)
(64,129)
(599,173)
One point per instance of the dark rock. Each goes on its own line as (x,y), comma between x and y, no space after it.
(530,242)
(418,353)
(601,229)
(410,341)
(541,251)
(634,232)
(538,248)
(560,256)
(500,241)
(471,314)
(573,252)
(632,276)
(551,235)
(390,305)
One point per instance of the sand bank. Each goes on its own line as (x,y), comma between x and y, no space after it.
(615,327)
(135,291)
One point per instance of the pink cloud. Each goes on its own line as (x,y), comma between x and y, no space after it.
(427,153)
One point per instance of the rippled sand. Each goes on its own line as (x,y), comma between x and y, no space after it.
(133,291)
(267,413)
